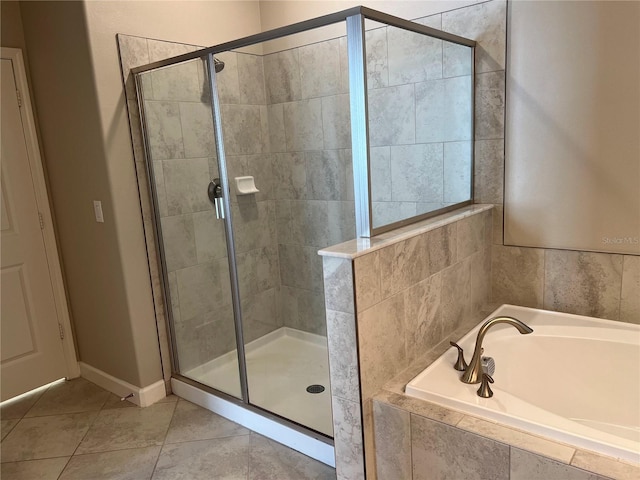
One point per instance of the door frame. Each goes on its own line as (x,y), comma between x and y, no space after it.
(42,201)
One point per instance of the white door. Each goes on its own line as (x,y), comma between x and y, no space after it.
(32,352)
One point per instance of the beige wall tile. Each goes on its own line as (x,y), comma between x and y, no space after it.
(282,76)
(343,355)
(319,82)
(367,280)
(347,427)
(369,440)
(403,264)
(242,129)
(251,79)
(480,271)
(456,295)
(338,284)
(393,442)
(392,118)
(413,57)
(583,283)
(441,451)
(381,334)
(486,23)
(630,298)
(186,182)
(517,275)
(489,171)
(164,130)
(424,316)
(179,242)
(489,112)
(470,235)
(133,53)
(442,247)
(179,82)
(498,224)
(443,110)
(303,125)
(377,58)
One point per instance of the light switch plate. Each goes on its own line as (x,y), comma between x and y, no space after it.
(97,208)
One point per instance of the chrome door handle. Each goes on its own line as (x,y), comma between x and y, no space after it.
(214,190)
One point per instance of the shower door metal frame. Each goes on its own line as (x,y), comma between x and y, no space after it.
(354,18)
(356,46)
(231,246)
(358,97)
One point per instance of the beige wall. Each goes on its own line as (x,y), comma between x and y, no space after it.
(79,96)
(199,23)
(11,33)
(573,117)
(78,93)
(74,150)
(278,13)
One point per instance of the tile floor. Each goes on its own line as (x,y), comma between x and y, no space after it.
(77,430)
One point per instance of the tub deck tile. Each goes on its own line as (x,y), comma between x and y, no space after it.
(421,407)
(607,466)
(517,438)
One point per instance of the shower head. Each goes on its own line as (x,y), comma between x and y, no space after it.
(218,64)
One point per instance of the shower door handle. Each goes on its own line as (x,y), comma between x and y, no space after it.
(215,195)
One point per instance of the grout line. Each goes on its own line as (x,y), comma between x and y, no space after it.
(544,276)
(621,289)
(164,439)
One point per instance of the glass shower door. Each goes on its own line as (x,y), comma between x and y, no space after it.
(285,121)
(182,161)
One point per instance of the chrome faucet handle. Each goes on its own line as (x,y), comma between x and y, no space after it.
(460,364)
(485,390)
(488,365)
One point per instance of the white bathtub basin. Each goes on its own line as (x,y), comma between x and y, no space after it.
(575,379)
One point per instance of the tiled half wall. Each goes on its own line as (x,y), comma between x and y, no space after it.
(391,303)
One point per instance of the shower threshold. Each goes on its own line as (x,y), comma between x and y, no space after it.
(281,365)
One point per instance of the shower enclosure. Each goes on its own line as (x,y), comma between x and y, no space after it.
(264,150)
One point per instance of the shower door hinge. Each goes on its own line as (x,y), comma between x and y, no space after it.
(41,221)
(61,330)
(19,95)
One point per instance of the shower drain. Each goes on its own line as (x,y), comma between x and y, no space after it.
(315,389)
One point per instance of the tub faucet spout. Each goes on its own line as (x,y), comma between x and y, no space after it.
(473,373)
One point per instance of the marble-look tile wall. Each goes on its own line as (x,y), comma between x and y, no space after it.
(401,300)
(309,137)
(586,283)
(245,125)
(420,118)
(599,285)
(134,52)
(344,368)
(182,149)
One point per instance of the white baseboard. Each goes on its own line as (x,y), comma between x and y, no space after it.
(142,397)
(306,444)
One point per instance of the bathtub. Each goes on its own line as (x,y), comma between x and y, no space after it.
(575,380)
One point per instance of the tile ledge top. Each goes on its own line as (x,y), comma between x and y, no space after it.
(361,246)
